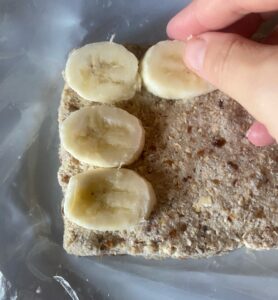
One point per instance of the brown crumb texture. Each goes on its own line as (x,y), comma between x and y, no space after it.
(215,191)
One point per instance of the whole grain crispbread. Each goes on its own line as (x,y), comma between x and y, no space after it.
(215,191)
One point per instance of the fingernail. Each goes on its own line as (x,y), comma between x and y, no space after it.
(195,51)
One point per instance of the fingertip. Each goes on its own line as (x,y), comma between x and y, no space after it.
(177,31)
(183,24)
(170,29)
(259,136)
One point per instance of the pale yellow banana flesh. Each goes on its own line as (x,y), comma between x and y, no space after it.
(108,199)
(165,75)
(103,136)
(103,72)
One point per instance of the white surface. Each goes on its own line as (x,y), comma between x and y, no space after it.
(35,37)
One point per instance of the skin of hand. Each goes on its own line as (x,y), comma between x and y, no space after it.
(242,68)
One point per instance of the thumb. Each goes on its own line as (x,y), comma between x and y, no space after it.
(245,70)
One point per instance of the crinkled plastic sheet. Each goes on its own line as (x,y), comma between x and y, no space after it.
(35,37)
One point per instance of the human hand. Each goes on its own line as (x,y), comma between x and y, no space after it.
(244,69)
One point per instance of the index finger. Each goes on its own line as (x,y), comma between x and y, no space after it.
(203,15)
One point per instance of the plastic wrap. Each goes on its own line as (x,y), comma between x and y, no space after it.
(35,38)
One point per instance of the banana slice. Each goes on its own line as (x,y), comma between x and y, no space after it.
(108,199)
(103,136)
(103,72)
(165,74)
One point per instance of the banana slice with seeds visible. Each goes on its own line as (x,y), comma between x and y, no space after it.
(108,199)
(103,136)
(103,72)
(165,74)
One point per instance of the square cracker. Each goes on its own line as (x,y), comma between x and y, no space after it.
(215,191)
